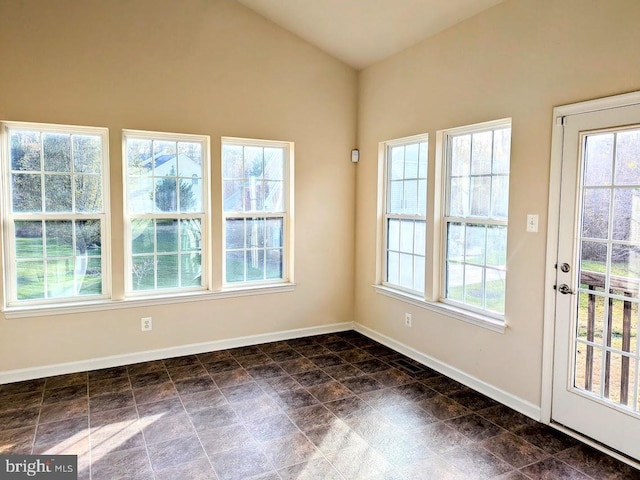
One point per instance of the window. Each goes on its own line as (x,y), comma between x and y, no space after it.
(257,201)
(405,213)
(475,216)
(166,211)
(55,213)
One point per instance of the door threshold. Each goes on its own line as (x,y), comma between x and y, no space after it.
(597,445)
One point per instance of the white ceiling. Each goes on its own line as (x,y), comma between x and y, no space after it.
(362,32)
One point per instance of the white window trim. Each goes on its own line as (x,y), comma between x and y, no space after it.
(10,300)
(287,215)
(205,216)
(436,236)
(385,147)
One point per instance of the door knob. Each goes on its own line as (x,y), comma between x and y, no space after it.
(565,289)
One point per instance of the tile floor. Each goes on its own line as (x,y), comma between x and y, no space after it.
(337,406)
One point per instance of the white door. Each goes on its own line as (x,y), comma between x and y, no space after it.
(595,382)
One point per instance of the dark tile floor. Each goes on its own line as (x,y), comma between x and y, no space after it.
(337,406)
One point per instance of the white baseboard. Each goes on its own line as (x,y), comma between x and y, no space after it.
(178,351)
(506,398)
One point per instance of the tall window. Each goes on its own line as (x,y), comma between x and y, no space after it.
(405,213)
(55,211)
(256,208)
(475,216)
(166,211)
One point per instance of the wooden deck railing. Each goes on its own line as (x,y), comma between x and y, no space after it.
(621,286)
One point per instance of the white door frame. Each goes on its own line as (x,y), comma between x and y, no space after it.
(553,219)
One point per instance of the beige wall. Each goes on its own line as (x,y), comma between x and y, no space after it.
(519,60)
(207,67)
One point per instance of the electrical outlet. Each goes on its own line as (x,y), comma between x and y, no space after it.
(407,319)
(146,324)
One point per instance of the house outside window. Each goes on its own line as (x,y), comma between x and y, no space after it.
(257,211)
(166,211)
(55,213)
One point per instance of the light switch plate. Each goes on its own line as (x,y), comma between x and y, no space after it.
(532,223)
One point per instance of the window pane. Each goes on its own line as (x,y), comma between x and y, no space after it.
(422,198)
(273,201)
(455,281)
(418,268)
(273,164)
(420,237)
(495,290)
(189,159)
(460,155)
(164,158)
(395,196)
(87,154)
(595,212)
(393,268)
(397,163)
(475,244)
(235,266)
(140,195)
(190,235)
(191,270)
(501,150)
(497,246)
(168,271)
(411,155)
(481,153)
(459,197)
(627,170)
(255,233)
(254,195)
(274,263)
(480,199)
(60,278)
(190,195)
(88,237)
(143,272)
(500,197)
(139,157)
(28,240)
(30,280)
(233,196)
(59,239)
(455,242)
(166,195)
(91,282)
(234,233)
(422,163)
(25,151)
(167,236)
(253,162)
(142,235)
(598,165)
(274,232)
(473,282)
(406,270)
(406,236)
(26,193)
(393,235)
(411,197)
(88,193)
(232,166)
(255,264)
(57,191)
(626,214)
(56,148)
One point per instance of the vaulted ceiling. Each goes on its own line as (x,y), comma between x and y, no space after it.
(362,32)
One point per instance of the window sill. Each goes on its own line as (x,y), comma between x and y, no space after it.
(444,309)
(146,301)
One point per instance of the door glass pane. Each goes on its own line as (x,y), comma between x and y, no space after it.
(609,270)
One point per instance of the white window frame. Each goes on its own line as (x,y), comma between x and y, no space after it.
(387,147)
(444,145)
(287,214)
(9,218)
(203,216)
